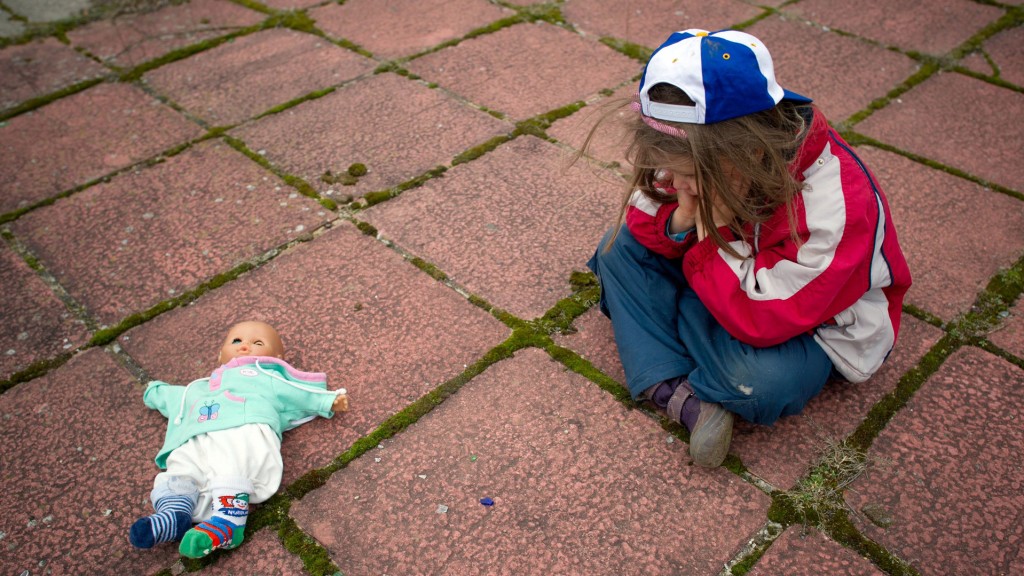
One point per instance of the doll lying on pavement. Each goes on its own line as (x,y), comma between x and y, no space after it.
(223,444)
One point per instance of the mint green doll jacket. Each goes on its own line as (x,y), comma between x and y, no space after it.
(246,390)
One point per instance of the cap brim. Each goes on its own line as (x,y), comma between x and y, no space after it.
(794,97)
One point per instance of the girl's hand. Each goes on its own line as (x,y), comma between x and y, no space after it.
(684,216)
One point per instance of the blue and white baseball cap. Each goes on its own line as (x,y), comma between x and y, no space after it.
(726,73)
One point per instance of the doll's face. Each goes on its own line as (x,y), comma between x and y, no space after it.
(251,339)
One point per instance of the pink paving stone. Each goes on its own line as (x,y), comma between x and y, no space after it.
(780,454)
(945,227)
(157,232)
(611,139)
(903,23)
(1010,334)
(36,323)
(1005,51)
(260,554)
(81,138)
(824,72)
(345,305)
(650,22)
(395,28)
(39,68)
(521,70)
(397,139)
(949,471)
(517,253)
(130,40)
(580,485)
(811,553)
(249,75)
(923,119)
(77,471)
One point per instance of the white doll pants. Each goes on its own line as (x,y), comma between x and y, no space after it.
(250,451)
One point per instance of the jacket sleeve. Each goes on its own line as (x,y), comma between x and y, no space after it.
(301,406)
(163,397)
(781,289)
(647,222)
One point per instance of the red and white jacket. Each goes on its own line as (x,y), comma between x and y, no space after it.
(844,283)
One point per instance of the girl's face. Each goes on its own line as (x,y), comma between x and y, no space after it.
(251,339)
(682,177)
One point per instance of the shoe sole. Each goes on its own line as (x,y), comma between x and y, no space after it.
(709,443)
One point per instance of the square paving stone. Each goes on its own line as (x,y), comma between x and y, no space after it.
(780,454)
(131,39)
(810,553)
(944,25)
(395,28)
(650,22)
(826,75)
(611,139)
(154,233)
(924,121)
(945,226)
(36,323)
(77,469)
(39,68)
(346,305)
(579,484)
(1004,52)
(946,478)
(510,227)
(251,74)
(396,139)
(521,70)
(81,138)
(1010,334)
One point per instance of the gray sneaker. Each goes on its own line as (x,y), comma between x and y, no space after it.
(711,435)
(709,424)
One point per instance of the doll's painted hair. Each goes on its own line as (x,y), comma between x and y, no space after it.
(757,148)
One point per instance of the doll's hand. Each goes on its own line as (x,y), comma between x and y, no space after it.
(340,403)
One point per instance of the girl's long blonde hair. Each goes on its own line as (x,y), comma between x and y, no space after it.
(756,148)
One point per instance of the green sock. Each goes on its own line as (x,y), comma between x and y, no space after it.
(218,531)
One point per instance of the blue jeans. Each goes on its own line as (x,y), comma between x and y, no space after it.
(663,330)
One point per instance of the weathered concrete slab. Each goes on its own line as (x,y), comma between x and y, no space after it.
(37,325)
(81,138)
(81,430)
(250,75)
(39,68)
(947,472)
(132,39)
(396,139)
(158,232)
(579,485)
(490,70)
(394,29)
(800,552)
(515,213)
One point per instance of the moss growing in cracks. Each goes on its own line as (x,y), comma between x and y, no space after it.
(383,195)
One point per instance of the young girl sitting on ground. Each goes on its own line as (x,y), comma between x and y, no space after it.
(223,444)
(758,255)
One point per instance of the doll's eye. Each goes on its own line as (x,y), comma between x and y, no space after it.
(236,341)
(258,342)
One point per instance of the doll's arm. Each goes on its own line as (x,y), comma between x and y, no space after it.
(163,397)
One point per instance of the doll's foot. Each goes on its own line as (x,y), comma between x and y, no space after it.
(169,526)
(209,536)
